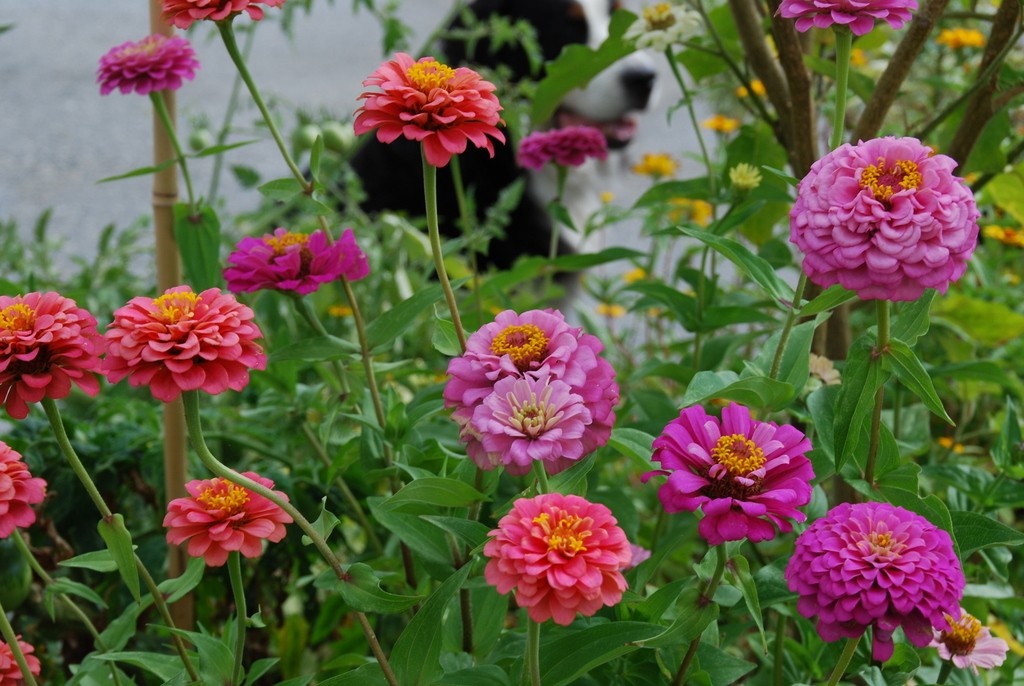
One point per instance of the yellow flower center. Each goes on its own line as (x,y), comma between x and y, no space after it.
(567,535)
(524,343)
(280,244)
(17,317)
(225,496)
(173,307)
(533,416)
(881,544)
(430,74)
(885,181)
(146,46)
(962,635)
(738,454)
(659,17)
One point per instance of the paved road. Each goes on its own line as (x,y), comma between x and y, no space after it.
(58,136)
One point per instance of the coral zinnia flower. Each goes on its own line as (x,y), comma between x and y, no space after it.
(19,490)
(534,343)
(183,341)
(10,673)
(570,146)
(970,644)
(885,218)
(221,517)
(873,564)
(296,262)
(743,474)
(561,554)
(430,102)
(859,15)
(46,342)
(662,25)
(182,13)
(155,63)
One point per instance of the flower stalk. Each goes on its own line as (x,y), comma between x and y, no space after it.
(881,348)
(238,590)
(430,198)
(160,107)
(706,596)
(844,661)
(532,666)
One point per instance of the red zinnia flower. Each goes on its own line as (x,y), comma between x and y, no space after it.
(10,673)
(182,13)
(19,490)
(432,103)
(155,63)
(222,517)
(183,341)
(46,342)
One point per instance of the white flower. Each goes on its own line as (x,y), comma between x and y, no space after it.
(662,25)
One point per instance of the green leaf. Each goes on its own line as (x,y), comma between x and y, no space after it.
(163,666)
(283,189)
(634,444)
(1007,191)
(198,239)
(974,531)
(757,268)
(367,675)
(911,372)
(829,299)
(722,668)
(665,191)
(435,492)
(481,675)
(693,615)
(119,542)
(393,322)
(780,174)
(573,481)
(314,349)
(415,657)
(259,668)
(362,592)
(911,322)
(444,339)
(567,658)
(759,392)
(990,323)
(324,524)
(741,569)
(175,589)
(862,377)
(97,561)
(931,507)
(423,537)
(141,171)
(683,306)
(1006,453)
(218,149)
(69,587)
(470,532)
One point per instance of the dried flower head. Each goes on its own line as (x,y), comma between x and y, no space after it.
(155,63)
(570,146)
(181,13)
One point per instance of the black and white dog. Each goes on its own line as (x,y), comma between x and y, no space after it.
(391,174)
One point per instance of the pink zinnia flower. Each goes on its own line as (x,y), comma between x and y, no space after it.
(221,517)
(859,15)
(640,554)
(430,102)
(296,262)
(183,341)
(46,343)
(533,343)
(10,673)
(970,644)
(873,564)
(19,490)
(155,63)
(747,477)
(885,218)
(561,554)
(531,418)
(182,13)
(568,147)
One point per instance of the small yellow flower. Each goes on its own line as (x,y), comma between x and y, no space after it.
(610,310)
(339,311)
(756,85)
(949,444)
(721,123)
(634,275)
(607,197)
(745,177)
(1012,278)
(955,39)
(656,164)
(685,209)
(1005,235)
(858,57)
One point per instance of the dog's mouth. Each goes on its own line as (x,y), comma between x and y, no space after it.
(618,132)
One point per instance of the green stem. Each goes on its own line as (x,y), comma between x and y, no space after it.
(944,672)
(430,199)
(467,230)
(780,649)
(227,34)
(533,652)
(698,337)
(190,400)
(844,661)
(165,118)
(844,46)
(787,328)
(7,631)
(693,118)
(543,485)
(229,115)
(706,596)
(238,589)
(881,348)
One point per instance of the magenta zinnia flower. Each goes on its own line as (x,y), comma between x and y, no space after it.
(155,63)
(873,564)
(182,13)
(10,673)
(969,644)
(747,477)
(570,146)
(46,343)
(220,517)
(19,490)
(885,218)
(430,102)
(859,15)
(534,343)
(561,554)
(531,418)
(183,341)
(296,262)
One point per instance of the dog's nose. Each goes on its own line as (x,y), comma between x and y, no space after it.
(638,83)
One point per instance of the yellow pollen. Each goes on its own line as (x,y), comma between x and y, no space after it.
(525,343)
(883,540)
(280,244)
(961,637)
(567,535)
(738,454)
(885,181)
(659,17)
(17,317)
(430,74)
(225,496)
(173,307)
(146,46)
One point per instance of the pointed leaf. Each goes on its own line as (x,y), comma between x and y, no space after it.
(567,658)
(862,377)
(974,531)
(757,268)
(198,239)
(362,592)
(119,542)
(911,372)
